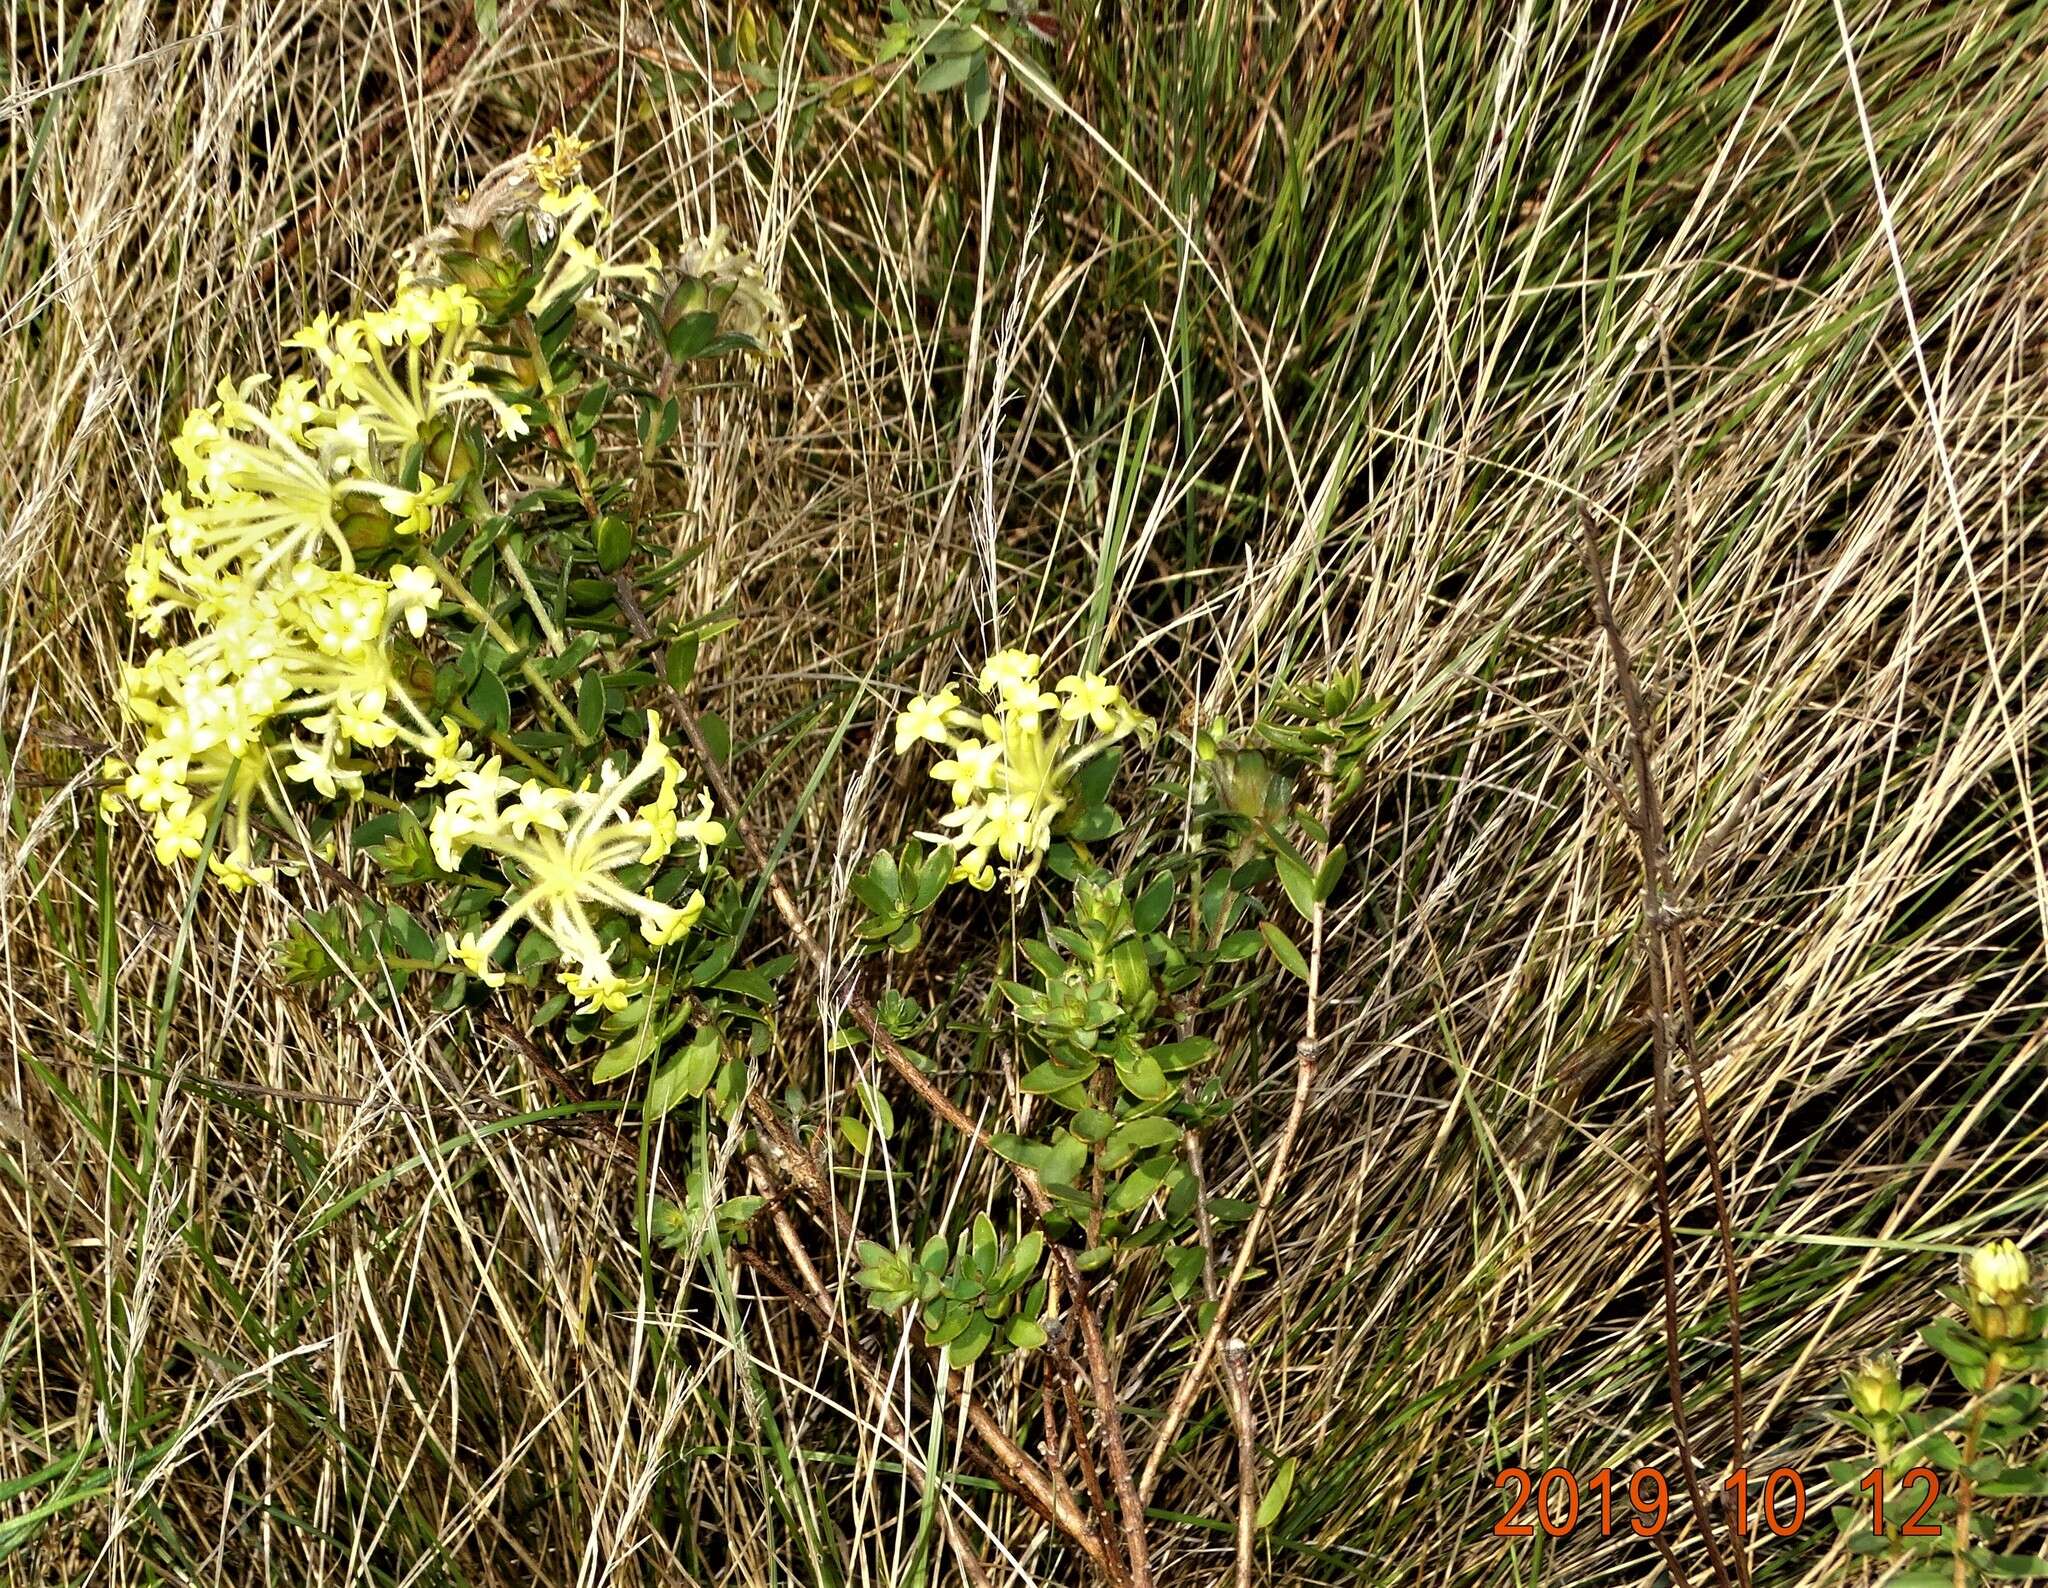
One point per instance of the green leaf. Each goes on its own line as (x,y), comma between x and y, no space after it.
(588,411)
(931,879)
(684,1076)
(1096,823)
(1142,1076)
(877,1108)
(1139,1133)
(1137,1186)
(972,1340)
(1015,1149)
(679,666)
(977,93)
(590,704)
(1053,1077)
(1300,886)
(948,71)
(1948,1337)
(748,983)
(624,1057)
(1024,1334)
(1151,908)
(1184,1054)
(1283,949)
(1064,1163)
(2014,1568)
(1133,974)
(1331,874)
(1091,782)
(943,1321)
(487,698)
(1275,1500)
(691,334)
(1022,1262)
(1237,946)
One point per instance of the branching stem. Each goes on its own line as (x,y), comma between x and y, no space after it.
(1666,966)
(1094,1352)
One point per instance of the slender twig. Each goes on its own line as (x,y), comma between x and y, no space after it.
(1678,1576)
(1648,822)
(1091,1479)
(1966,1485)
(1094,1352)
(787,1161)
(1308,1054)
(823,1312)
(1236,1379)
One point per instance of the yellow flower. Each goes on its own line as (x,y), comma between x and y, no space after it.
(925,718)
(1091,697)
(662,925)
(449,753)
(180,831)
(238,871)
(415,592)
(564,848)
(703,829)
(472,957)
(600,989)
(314,764)
(538,807)
(155,784)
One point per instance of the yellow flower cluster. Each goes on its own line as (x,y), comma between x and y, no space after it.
(1011,767)
(257,551)
(279,683)
(288,677)
(565,848)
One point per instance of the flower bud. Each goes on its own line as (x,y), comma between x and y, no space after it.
(1874,1388)
(1998,1274)
(368,528)
(450,451)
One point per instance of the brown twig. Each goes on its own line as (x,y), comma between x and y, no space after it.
(1095,1353)
(1678,1576)
(1966,1485)
(789,1163)
(1091,1479)
(1648,822)
(1308,1053)
(1236,1380)
(823,1313)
